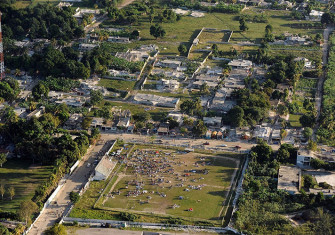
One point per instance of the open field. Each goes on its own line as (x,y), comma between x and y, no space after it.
(117,84)
(185,30)
(24,178)
(170,183)
(213,173)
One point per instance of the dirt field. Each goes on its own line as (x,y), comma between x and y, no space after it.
(167,182)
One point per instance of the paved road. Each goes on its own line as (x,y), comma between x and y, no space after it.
(319,90)
(74,183)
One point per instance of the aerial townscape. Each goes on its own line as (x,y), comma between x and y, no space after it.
(161,117)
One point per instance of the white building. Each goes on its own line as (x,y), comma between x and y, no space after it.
(170,84)
(173,64)
(240,64)
(315,15)
(213,121)
(155,100)
(104,168)
(118,39)
(304,158)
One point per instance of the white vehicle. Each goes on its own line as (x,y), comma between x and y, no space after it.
(222,145)
(88,164)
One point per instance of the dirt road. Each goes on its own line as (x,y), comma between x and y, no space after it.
(319,90)
(74,183)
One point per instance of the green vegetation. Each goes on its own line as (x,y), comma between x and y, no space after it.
(117,85)
(24,178)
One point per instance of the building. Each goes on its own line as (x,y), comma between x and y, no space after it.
(86,47)
(304,158)
(155,100)
(275,135)
(289,179)
(36,113)
(118,39)
(213,121)
(123,122)
(315,15)
(307,62)
(178,117)
(74,122)
(240,64)
(262,132)
(104,168)
(173,64)
(170,84)
(133,56)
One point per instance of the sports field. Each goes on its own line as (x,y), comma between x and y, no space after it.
(170,183)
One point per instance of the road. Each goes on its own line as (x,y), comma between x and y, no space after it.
(319,90)
(74,183)
(114,231)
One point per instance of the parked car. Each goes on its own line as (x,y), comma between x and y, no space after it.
(206,143)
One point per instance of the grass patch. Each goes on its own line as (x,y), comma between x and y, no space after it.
(117,84)
(294,120)
(24,178)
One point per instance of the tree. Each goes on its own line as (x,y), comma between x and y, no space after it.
(283,134)
(157,31)
(96,97)
(312,145)
(282,110)
(74,197)
(135,34)
(243,26)
(307,132)
(11,192)
(27,208)
(57,229)
(204,88)
(40,91)
(262,152)
(4,230)
(283,155)
(3,158)
(307,120)
(182,49)
(2,190)
(199,129)
(235,116)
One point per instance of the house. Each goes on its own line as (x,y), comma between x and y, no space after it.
(104,168)
(133,56)
(173,64)
(289,179)
(130,129)
(20,112)
(213,121)
(292,40)
(262,132)
(240,64)
(86,47)
(163,129)
(170,84)
(123,122)
(36,113)
(285,3)
(304,158)
(74,122)
(155,100)
(208,134)
(118,39)
(275,135)
(178,117)
(307,62)
(315,15)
